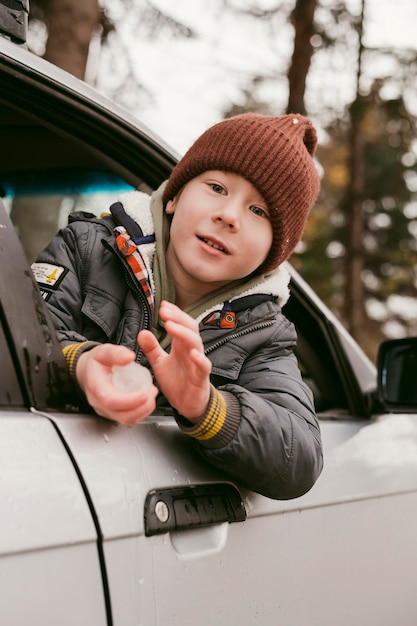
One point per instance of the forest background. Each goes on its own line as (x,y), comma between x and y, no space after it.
(350,66)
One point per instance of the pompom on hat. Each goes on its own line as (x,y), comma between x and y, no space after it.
(275,154)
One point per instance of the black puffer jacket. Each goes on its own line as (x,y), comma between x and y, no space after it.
(274,447)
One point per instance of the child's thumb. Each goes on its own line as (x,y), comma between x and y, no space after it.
(150,346)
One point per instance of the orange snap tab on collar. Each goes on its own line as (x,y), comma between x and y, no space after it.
(227,319)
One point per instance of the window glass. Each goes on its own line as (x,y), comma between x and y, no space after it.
(40,207)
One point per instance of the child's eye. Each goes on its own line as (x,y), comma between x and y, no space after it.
(217,188)
(259,211)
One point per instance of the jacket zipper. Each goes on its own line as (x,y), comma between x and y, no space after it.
(240,333)
(132,284)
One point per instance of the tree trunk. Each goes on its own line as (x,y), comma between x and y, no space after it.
(354,262)
(303,20)
(71,25)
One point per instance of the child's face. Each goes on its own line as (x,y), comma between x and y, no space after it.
(220,231)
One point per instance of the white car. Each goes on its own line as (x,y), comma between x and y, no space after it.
(105,525)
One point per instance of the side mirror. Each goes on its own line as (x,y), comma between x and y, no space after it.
(397,374)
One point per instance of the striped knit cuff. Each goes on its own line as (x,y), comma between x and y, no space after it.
(219,423)
(72,352)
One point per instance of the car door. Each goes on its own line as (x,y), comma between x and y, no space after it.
(344,553)
(177,541)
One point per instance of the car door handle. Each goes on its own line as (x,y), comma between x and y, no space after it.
(192,506)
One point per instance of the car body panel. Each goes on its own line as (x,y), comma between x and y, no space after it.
(49,566)
(363,460)
(360,515)
(61,586)
(39,480)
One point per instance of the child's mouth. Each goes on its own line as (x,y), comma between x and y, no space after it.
(213,244)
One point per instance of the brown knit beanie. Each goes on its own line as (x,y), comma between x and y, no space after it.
(275,155)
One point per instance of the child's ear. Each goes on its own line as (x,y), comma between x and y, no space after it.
(170,207)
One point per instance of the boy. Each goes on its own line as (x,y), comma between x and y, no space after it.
(189,283)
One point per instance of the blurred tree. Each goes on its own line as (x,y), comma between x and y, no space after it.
(117,69)
(70,25)
(386,236)
(302,19)
(354,303)
(367,209)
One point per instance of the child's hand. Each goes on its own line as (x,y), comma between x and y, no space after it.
(183,375)
(94,375)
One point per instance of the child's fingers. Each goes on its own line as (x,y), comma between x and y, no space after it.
(187,336)
(150,346)
(125,408)
(201,362)
(147,341)
(170,312)
(108,354)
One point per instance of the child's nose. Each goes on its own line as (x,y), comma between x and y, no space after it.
(229,214)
